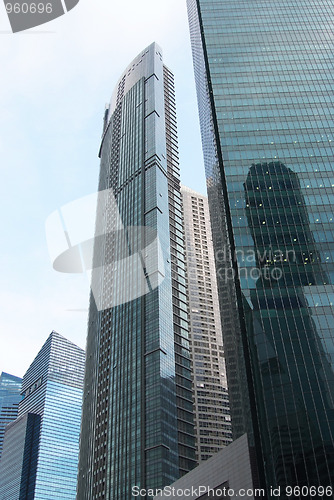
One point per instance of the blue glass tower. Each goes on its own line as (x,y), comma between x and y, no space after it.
(10,388)
(137,427)
(41,448)
(265,80)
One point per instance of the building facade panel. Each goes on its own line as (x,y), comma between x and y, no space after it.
(137,399)
(41,449)
(10,387)
(18,467)
(268,84)
(211,399)
(226,475)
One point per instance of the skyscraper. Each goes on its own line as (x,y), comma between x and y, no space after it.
(265,79)
(10,388)
(137,427)
(41,447)
(211,403)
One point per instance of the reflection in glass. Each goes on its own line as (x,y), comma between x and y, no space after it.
(295,390)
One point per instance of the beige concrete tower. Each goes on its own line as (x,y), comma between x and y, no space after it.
(212,412)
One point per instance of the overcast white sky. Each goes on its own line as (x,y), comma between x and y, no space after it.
(55,81)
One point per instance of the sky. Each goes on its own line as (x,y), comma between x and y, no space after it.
(55,82)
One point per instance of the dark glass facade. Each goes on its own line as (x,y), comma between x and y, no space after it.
(10,388)
(264,73)
(41,447)
(18,467)
(137,426)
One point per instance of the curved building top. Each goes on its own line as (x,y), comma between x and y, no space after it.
(148,62)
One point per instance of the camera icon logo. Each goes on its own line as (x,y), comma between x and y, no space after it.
(88,235)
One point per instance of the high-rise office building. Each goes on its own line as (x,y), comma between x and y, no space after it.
(137,426)
(211,403)
(265,79)
(41,447)
(10,389)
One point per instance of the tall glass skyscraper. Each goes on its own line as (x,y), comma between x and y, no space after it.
(10,389)
(137,426)
(41,447)
(265,80)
